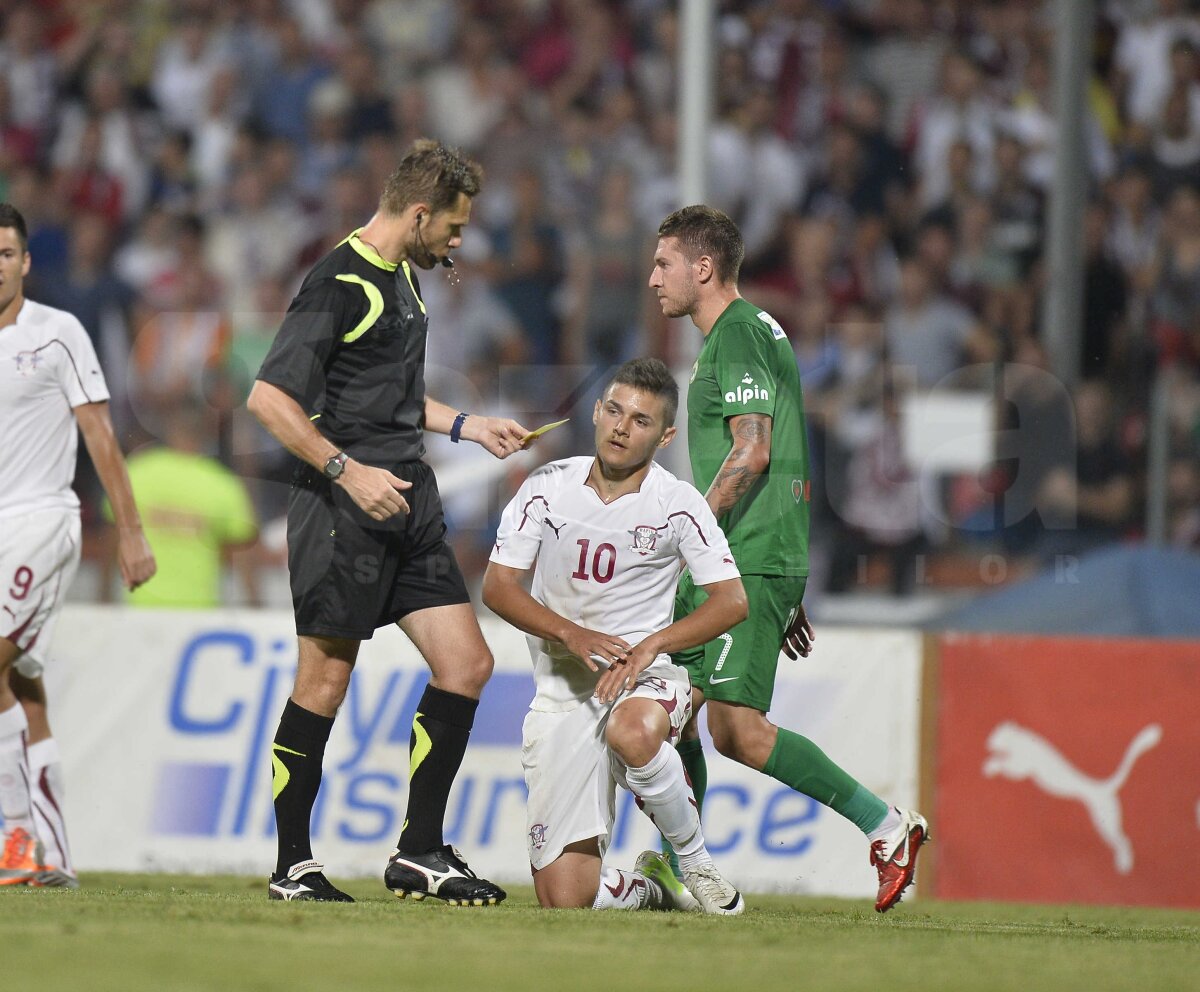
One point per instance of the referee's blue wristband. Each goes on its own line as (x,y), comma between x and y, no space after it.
(456,430)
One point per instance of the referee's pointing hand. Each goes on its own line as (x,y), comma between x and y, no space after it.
(375,490)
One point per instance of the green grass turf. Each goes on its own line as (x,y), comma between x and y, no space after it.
(170,932)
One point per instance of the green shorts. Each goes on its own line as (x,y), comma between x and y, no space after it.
(739,666)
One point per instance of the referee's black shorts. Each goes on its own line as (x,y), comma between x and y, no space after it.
(350,574)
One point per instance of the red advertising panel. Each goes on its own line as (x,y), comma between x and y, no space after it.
(1068,770)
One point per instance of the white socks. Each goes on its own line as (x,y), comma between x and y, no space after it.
(664,795)
(15,805)
(46,792)
(887,827)
(622,889)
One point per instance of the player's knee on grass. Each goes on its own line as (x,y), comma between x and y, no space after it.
(571,880)
(636,730)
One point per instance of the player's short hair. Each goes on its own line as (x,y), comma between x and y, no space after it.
(432,173)
(650,375)
(702,230)
(10,216)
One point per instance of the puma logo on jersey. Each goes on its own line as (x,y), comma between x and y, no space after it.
(1018,753)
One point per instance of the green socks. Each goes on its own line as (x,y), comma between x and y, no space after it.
(798,763)
(691,753)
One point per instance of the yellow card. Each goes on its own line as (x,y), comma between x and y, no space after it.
(542,430)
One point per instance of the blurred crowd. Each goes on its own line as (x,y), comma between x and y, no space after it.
(181,164)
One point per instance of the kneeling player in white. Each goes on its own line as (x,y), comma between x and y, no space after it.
(608,535)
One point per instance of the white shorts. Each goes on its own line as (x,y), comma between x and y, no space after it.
(39,553)
(570,772)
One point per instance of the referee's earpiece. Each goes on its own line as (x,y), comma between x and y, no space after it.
(420,217)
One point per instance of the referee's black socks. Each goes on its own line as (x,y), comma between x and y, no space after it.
(439,740)
(296,758)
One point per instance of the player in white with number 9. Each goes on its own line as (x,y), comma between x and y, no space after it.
(608,536)
(50,381)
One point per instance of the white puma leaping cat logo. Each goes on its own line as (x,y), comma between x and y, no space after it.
(1018,753)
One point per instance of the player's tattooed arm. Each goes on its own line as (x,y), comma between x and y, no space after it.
(746,462)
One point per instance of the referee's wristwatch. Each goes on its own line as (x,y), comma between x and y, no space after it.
(336,465)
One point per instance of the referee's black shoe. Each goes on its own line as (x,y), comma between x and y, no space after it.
(305,882)
(441,873)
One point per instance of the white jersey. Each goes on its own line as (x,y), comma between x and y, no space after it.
(608,567)
(47,368)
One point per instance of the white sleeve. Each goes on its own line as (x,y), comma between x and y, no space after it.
(76,365)
(519,537)
(701,540)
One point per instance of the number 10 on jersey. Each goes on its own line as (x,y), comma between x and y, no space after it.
(604,562)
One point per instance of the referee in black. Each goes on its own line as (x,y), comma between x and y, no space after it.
(343,388)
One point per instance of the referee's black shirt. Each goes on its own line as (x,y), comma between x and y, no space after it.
(351,352)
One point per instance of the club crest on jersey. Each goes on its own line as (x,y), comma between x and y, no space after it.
(747,391)
(537,835)
(801,490)
(645,538)
(28,362)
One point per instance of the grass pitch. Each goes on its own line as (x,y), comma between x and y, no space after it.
(171,933)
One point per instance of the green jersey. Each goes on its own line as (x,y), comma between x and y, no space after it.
(746,365)
(191,506)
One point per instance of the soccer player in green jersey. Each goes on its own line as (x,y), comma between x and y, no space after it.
(749,455)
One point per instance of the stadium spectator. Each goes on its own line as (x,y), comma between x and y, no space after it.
(178,348)
(529,266)
(1133,229)
(905,59)
(347,397)
(606,283)
(255,237)
(882,513)
(125,133)
(18,143)
(956,113)
(29,70)
(746,435)
(1105,296)
(327,149)
(466,96)
(51,387)
(1143,55)
(187,66)
(1091,502)
(585,734)
(370,108)
(1017,205)
(928,335)
(286,84)
(755,175)
(173,181)
(197,514)
(1175,275)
